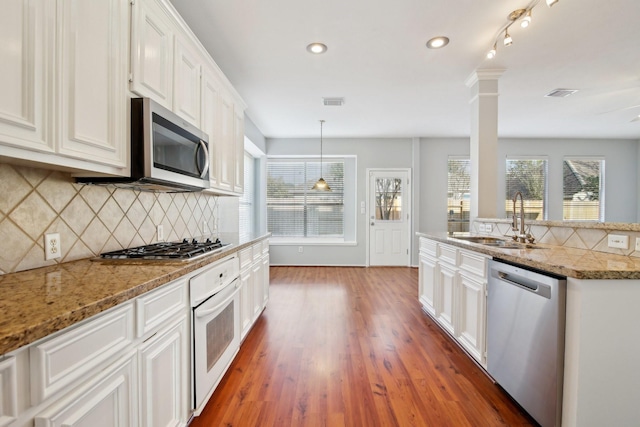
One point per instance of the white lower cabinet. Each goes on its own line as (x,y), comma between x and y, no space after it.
(452,290)
(446,291)
(105,401)
(102,373)
(254,276)
(163,377)
(426,286)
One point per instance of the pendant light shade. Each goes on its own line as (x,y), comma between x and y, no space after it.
(321,185)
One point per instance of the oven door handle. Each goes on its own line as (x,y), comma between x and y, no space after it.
(207,312)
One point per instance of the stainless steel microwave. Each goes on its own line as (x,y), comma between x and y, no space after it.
(167,153)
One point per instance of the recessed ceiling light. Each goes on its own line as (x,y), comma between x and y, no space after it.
(438,42)
(317,48)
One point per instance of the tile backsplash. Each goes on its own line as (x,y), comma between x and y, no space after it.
(580,235)
(90,219)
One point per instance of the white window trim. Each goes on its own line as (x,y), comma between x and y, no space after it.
(349,203)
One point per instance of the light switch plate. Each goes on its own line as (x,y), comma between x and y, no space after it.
(620,241)
(638,244)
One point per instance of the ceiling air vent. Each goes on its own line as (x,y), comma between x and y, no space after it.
(561,93)
(333,102)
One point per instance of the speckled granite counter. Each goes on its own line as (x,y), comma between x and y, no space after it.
(38,302)
(570,262)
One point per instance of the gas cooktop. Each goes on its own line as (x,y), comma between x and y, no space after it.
(186,250)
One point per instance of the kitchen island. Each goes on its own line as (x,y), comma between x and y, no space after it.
(601,377)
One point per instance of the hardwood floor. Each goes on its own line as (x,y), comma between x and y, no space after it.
(351,347)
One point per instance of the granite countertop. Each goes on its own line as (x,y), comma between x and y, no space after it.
(39,302)
(570,262)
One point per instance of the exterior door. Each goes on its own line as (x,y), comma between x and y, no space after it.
(389,207)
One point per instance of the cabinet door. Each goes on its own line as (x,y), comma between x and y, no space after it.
(238,130)
(446,292)
(152,52)
(246,301)
(227,150)
(92,49)
(265,280)
(8,391)
(209,122)
(428,274)
(472,309)
(163,377)
(25,116)
(186,81)
(106,401)
(258,289)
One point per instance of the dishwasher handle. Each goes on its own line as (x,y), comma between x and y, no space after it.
(526,284)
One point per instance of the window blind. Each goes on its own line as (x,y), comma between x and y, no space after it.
(293,209)
(582,190)
(529,177)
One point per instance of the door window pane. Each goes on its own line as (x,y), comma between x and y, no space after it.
(529,177)
(583,190)
(388,199)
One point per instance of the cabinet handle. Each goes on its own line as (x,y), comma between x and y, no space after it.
(203,145)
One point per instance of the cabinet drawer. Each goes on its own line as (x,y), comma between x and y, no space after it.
(156,307)
(257,251)
(246,257)
(447,253)
(59,361)
(473,263)
(428,246)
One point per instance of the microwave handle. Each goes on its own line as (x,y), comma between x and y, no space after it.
(206,155)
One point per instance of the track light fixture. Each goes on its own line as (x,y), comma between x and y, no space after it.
(522,15)
(508,41)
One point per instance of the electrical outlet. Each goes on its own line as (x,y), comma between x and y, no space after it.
(160,233)
(482,228)
(205,227)
(638,244)
(300,249)
(488,228)
(618,241)
(52,246)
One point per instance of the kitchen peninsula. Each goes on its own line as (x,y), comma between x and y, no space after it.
(601,379)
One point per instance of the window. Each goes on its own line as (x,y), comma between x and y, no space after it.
(247,200)
(582,189)
(296,211)
(529,177)
(459,181)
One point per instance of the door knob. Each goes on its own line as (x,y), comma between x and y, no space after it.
(373,223)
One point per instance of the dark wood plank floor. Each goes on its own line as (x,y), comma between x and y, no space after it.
(352,347)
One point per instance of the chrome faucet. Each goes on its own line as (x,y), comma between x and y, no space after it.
(521,235)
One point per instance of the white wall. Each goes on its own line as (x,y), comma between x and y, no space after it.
(370,153)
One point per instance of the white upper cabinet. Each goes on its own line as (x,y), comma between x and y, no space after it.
(238,157)
(92,47)
(186,82)
(24,113)
(209,121)
(152,53)
(226,136)
(64,83)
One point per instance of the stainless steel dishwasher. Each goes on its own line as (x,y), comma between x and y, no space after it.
(525,338)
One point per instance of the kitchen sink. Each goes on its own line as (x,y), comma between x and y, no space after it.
(497,242)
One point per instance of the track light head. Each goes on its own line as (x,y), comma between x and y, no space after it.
(508,41)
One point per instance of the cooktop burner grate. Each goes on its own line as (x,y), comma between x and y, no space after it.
(187,249)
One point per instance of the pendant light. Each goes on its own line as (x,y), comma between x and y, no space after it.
(321,185)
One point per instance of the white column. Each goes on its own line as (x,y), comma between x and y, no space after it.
(484,143)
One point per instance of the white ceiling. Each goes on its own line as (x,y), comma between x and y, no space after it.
(395,87)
